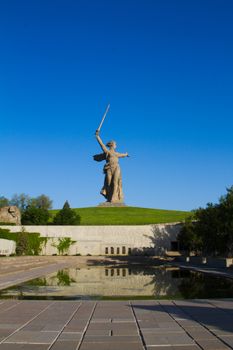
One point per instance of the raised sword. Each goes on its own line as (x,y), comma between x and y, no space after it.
(104,116)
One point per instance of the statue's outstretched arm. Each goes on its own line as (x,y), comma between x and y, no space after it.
(122,155)
(102,145)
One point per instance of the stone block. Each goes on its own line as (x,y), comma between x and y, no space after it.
(32,337)
(64,345)
(168,339)
(214,344)
(8,346)
(112,346)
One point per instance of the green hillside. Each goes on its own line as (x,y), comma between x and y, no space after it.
(127,216)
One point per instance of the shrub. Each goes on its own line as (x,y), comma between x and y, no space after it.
(35,216)
(7,224)
(26,243)
(22,243)
(66,216)
(63,245)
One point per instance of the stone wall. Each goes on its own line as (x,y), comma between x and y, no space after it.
(108,240)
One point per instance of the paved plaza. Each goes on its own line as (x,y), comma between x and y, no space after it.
(116,325)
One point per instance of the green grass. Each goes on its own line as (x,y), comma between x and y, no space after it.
(127,216)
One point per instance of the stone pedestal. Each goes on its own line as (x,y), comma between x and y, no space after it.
(111,205)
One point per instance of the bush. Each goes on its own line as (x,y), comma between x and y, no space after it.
(26,243)
(7,224)
(6,234)
(35,216)
(63,245)
(66,216)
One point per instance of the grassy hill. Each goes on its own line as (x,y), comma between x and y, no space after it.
(127,216)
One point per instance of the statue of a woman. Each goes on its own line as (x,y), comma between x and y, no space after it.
(112,189)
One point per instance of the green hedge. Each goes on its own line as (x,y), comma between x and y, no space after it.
(7,224)
(26,243)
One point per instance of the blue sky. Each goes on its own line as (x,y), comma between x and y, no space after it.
(166,68)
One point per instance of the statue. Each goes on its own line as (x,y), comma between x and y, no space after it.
(112,189)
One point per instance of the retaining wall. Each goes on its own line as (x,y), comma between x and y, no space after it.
(108,240)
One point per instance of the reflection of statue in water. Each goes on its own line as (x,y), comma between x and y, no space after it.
(112,189)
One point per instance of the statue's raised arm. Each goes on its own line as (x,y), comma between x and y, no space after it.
(102,145)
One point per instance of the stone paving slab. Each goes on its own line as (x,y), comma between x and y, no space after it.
(200,334)
(116,325)
(65,345)
(189,347)
(70,336)
(32,337)
(112,339)
(228,340)
(112,346)
(161,331)
(23,346)
(98,332)
(213,344)
(168,339)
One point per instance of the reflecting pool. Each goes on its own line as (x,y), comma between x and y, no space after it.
(104,282)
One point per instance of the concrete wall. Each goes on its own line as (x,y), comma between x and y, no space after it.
(7,247)
(107,240)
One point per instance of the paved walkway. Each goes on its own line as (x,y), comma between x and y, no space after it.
(116,325)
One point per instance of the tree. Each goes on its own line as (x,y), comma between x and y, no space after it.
(211,228)
(226,214)
(188,239)
(35,216)
(4,202)
(66,216)
(208,227)
(41,201)
(22,201)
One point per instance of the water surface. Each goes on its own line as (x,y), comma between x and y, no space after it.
(137,282)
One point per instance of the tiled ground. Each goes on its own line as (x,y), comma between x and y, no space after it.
(116,325)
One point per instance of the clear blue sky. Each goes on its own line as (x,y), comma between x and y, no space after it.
(164,65)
